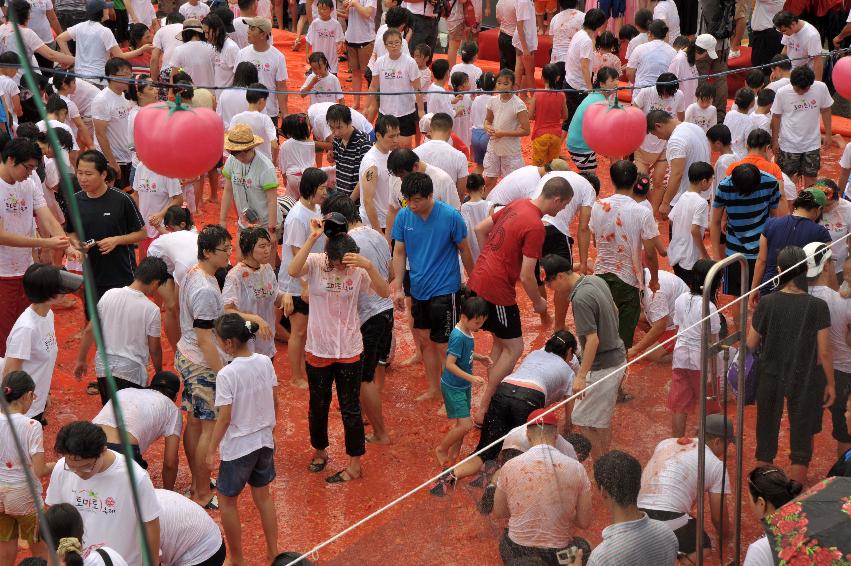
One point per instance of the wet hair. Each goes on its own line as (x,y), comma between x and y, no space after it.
(658,29)
(746,178)
(802,77)
(607,42)
(667,84)
(805,200)
(338,113)
(628,32)
(619,475)
(96,158)
(458,79)
(245,74)
(114,65)
(231,326)
(698,276)
(771,483)
(174,18)
(581,445)
(396,16)
(249,237)
(439,68)
(215,24)
(337,246)
(160,381)
(139,84)
(656,117)
(700,171)
(765,97)
(385,123)
(680,42)
(744,98)
(643,19)
(401,161)
(506,73)
(256,92)
(469,50)
(557,187)
(42,282)
(82,439)
(296,126)
(344,205)
(568,4)
(623,174)
(55,104)
(604,74)
(473,306)
(441,122)
(417,184)
(211,237)
(58,80)
(424,50)
(17,384)
(705,90)
(560,343)
(391,32)
(781,62)
(756,79)
(551,73)
(177,215)
(151,269)
(21,151)
(64,521)
(593,179)
(784,19)
(594,18)
(553,264)
(721,134)
(475,182)
(319,58)
(487,82)
(311,179)
(21,10)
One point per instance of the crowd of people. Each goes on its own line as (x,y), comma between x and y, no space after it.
(415,202)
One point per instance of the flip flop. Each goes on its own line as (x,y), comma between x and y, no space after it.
(92,388)
(317,465)
(213,504)
(340,478)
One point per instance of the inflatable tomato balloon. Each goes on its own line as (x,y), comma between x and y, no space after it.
(841,77)
(178,141)
(613,130)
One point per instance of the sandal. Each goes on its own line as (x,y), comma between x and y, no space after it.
(92,388)
(317,465)
(213,504)
(339,477)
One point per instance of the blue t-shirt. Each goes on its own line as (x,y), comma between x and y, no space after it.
(460,346)
(432,249)
(746,214)
(789,231)
(575,139)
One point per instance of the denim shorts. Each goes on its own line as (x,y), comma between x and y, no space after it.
(479,145)
(199,388)
(257,469)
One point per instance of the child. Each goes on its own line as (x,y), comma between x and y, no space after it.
(680,43)
(762,116)
(325,35)
(194,10)
(650,157)
(605,53)
(469,55)
(474,209)
(739,120)
(702,112)
(719,142)
(156,194)
(321,84)
(781,70)
(422,55)
(297,152)
(583,156)
(439,102)
(247,403)
(66,87)
(461,105)
(257,119)
(479,138)
(689,222)
(755,80)
(456,382)
(506,122)
(640,191)
(642,23)
(667,11)
(9,90)
(397,18)
(548,109)
(57,113)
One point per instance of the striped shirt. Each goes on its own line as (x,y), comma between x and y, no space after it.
(636,543)
(746,214)
(347,158)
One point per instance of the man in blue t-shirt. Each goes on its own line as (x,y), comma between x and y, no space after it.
(429,235)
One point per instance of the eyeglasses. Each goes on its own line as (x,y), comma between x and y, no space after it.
(84,469)
(226,249)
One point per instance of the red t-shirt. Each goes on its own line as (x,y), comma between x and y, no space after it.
(517,232)
(548,108)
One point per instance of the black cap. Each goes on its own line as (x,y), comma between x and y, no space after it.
(224,13)
(166,382)
(335,223)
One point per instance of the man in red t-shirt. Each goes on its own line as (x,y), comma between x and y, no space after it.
(511,241)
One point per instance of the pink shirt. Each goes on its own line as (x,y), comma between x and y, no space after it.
(333,328)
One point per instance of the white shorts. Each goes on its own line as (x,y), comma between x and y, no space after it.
(598,406)
(15,499)
(500,166)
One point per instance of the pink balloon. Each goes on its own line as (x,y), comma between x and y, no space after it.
(841,77)
(613,131)
(179,143)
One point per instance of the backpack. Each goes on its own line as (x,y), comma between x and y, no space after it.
(751,376)
(722,25)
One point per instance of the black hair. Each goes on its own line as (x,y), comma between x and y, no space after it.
(190,35)
(825,183)
(177,215)
(338,113)
(805,200)
(746,178)
(628,32)
(593,179)
(256,92)
(245,4)
(473,306)
(245,74)
(138,84)
(326,3)
(384,123)
(756,79)
(643,19)
(63,520)
(215,24)
(338,246)
(553,264)
(96,158)
(458,79)
(802,77)
(151,269)
(249,237)
(396,16)
(417,184)
(284,558)
(63,136)
(705,90)
(475,182)
(391,32)
(642,185)
(656,117)
(59,80)
(231,326)
(401,161)
(160,383)
(771,483)
(604,74)
(183,89)
(623,174)
(619,475)
(658,29)
(344,205)
(16,384)
(682,42)
(21,151)
(781,62)
(568,4)
(95,16)
(692,50)
(551,73)
(607,41)
(744,98)
(700,171)
(784,19)
(508,73)
(174,18)
(765,97)
(20,10)
(667,84)
(114,65)
(581,445)
(441,121)
(698,275)
(720,133)
(487,82)
(319,58)
(82,439)
(211,237)
(594,18)
(560,343)
(468,51)
(424,50)
(42,282)
(296,126)
(557,187)
(311,179)
(221,275)
(439,68)
(136,32)
(55,104)
(33,561)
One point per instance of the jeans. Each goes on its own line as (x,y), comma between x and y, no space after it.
(347,378)
(510,406)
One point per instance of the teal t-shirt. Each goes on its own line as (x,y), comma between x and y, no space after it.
(460,346)
(575,139)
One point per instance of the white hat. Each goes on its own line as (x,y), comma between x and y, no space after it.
(818,254)
(708,43)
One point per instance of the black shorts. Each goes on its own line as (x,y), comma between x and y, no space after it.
(503,322)
(837,410)
(408,124)
(355,45)
(124,182)
(438,314)
(733,278)
(301,10)
(134,449)
(377,334)
(554,243)
(406,283)
(300,306)
(686,535)
(217,559)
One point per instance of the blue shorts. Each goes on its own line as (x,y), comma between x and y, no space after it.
(457,401)
(257,469)
(479,145)
(612,8)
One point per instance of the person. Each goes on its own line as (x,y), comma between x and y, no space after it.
(506,122)
(193,9)
(325,35)
(149,413)
(196,357)
(548,110)
(457,379)
(578,76)
(423,22)
(334,357)
(562,27)
(374,176)
(836,217)
(759,154)
(523,183)
(247,403)
(34,47)
(165,41)
(801,376)
(659,309)
(544,495)
(435,101)
(226,50)
(690,221)
(702,112)
(651,59)
(398,18)
(188,535)
(769,489)
(525,42)
(643,19)
(764,40)
(130,323)
(360,37)
(349,146)
(511,242)
(583,156)
(17,508)
(297,153)
(156,194)
(684,64)
(248,10)
(740,121)
(603,349)
(801,41)
(110,111)
(65,523)
(633,539)
(475,210)
(271,64)
(669,483)
(321,84)
(195,55)
(88,466)
(439,152)
(506,16)
(606,49)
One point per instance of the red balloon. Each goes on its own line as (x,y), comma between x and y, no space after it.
(841,77)
(613,131)
(178,141)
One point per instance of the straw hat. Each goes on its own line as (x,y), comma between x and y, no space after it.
(241,138)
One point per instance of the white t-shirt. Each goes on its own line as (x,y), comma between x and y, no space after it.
(148,415)
(779,83)
(325,88)
(295,156)
(473,72)
(444,188)
(518,440)
(83,96)
(840,320)
(669,480)
(379,49)
(31,42)
(741,125)
(254,291)
(687,75)
(473,213)
(200,299)
(145,13)
(73,113)
(506,15)
(261,124)
(525,12)
(128,319)
(93,558)
(31,437)
(154,192)
(240,33)
(563,27)
(94,42)
(805,43)
(381,198)
(761,121)
(33,340)
(360,29)
(436,102)
(620,226)
(692,209)
(647,100)
(838,223)
(17,216)
(764,12)
(316,116)
(800,113)
(583,196)
(10,89)
(197,12)
(703,117)
(396,75)
(296,231)
(519,184)
(323,36)
(666,11)
(224,63)
(639,39)
(688,309)
(166,40)
(271,67)
(106,504)
(197,58)
(759,551)
(38,21)
(660,304)
(689,141)
(231,102)
(179,251)
(247,385)
(115,110)
(721,165)
(581,47)
(845,163)
(650,60)
(188,535)
(479,111)
(442,155)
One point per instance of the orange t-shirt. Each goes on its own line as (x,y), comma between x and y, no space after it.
(762,164)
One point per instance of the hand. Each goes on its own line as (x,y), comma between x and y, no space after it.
(753,300)
(631,353)
(836,41)
(478,380)
(829,396)
(540,305)
(486,361)
(577,558)
(210,460)
(316,227)
(775,149)
(80,369)
(287,304)
(654,284)
(72,254)
(583,268)
(117,170)
(272,228)
(356,260)
(579,383)
(490,131)
(397,294)
(826,139)
(107,244)
(156,219)
(265,331)
(664,210)
(55,243)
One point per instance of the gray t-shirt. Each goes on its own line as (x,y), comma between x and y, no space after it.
(636,543)
(373,246)
(594,310)
(250,183)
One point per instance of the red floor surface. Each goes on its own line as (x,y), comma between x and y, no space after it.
(423,529)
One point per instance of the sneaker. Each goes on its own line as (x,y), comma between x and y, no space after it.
(443,484)
(734,54)
(486,503)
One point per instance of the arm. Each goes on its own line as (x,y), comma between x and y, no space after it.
(309,86)
(754,338)
(846,31)
(826,360)
(399,258)
(782,208)
(759,268)
(630,75)
(272,207)
(222,424)
(40,467)
(156,62)
(583,234)
(377,282)
(843,178)
(697,238)
(156,351)
(652,261)
(676,175)
(775,133)
(392,211)
(84,138)
(116,51)
(62,42)
(828,127)
(207,345)
(367,185)
(12,364)
(170,461)
(466,255)
(650,337)
(585,63)
(818,66)
(56,56)
(373,104)
(157,218)
(54,21)
(452,367)
(415,85)
(592,342)
(718,521)
(527,279)
(715,232)
(105,148)
(283,106)
(227,201)
(500,504)
(532,108)
(521,33)
(298,267)
(366,12)
(584,510)
(482,230)
(152,532)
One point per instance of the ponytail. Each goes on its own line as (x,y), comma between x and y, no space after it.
(70,550)
(560,343)
(773,486)
(16,385)
(338,246)
(232,326)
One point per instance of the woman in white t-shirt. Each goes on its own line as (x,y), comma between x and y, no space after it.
(769,490)
(66,526)
(66,87)
(231,101)
(225,52)
(298,152)
(836,217)
(16,502)
(195,56)
(247,404)
(360,38)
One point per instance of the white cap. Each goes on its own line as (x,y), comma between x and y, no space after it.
(708,43)
(818,254)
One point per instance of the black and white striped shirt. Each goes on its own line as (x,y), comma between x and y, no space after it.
(347,158)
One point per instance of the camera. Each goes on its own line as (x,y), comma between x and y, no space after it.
(251,215)
(566,556)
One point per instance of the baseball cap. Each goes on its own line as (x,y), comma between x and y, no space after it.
(224,14)
(818,196)
(718,425)
(708,43)
(260,23)
(95,6)
(165,381)
(335,223)
(549,419)
(818,254)
(559,165)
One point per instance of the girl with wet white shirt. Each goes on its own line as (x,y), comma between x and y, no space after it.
(66,526)
(232,101)
(769,490)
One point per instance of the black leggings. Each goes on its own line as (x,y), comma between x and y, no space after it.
(510,406)
(347,378)
(507,53)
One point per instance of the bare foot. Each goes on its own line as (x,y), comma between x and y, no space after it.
(441,412)
(375,439)
(299,383)
(442,457)
(415,359)
(429,395)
